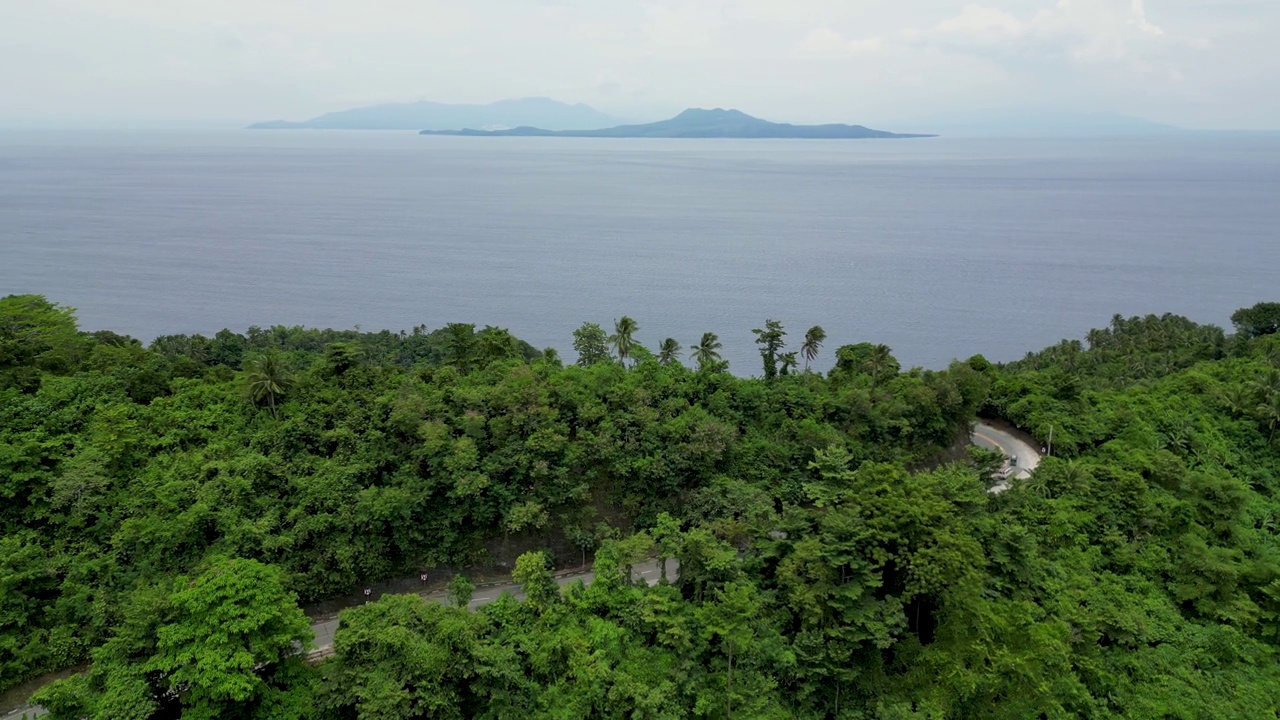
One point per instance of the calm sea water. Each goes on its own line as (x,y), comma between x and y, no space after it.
(940,248)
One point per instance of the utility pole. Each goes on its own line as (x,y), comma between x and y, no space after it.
(1050,453)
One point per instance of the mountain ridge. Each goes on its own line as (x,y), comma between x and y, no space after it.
(445,116)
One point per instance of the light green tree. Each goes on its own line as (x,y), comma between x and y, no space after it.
(233,643)
(591,343)
(460,591)
(533,572)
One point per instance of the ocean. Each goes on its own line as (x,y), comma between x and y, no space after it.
(940,248)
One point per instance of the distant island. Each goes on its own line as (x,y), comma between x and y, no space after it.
(540,111)
(697,123)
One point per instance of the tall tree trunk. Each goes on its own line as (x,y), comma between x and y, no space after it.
(728,696)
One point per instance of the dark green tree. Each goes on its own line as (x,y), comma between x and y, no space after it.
(787,362)
(771,343)
(707,352)
(267,378)
(340,357)
(668,351)
(460,344)
(1261,319)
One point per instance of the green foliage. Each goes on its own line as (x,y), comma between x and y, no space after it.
(1257,321)
(267,378)
(533,572)
(707,352)
(592,345)
(668,351)
(812,345)
(231,642)
(623,337)
(220,644)
(460,590)
(156,523)
(36,335)
(771,343)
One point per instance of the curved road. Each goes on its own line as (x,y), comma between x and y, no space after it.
(647,571)
(324,628)
(1013,446)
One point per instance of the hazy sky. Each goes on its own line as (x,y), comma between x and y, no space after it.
(1199,63)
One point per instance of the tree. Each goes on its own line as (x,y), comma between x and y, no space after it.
(731,618)
(267,378)
(623,337)
(460,344)
(533,572)
(340,357)
(231,647)
(771,343)
(403,658)
(1261,319)
(813,340)
(591,344)
(666,537)
(668,351)
(36,334)
(1269,413)
(706,352)
(876,361)
(460,590)
(786,363)
(495,344)
(881,364)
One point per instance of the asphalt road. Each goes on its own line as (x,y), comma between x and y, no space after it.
(648,571)
(324,629)
(1013,446)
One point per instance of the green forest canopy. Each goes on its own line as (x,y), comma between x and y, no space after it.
(166,508)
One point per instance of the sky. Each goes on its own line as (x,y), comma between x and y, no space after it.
(1194,63)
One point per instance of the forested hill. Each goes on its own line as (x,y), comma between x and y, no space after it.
(698,123)
(165,508)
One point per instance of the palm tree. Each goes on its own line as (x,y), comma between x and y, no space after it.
(268,379)
(623,337)
(812,344)
(706,351)
(668,351)
(881,363)
(1269,414)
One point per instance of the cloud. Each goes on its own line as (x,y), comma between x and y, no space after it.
(1082,31)
(245,60)
(825,43)
(1139,12)
(979,20)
